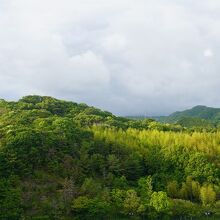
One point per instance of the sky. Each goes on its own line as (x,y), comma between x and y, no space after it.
(129,57)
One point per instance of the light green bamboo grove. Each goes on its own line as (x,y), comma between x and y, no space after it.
(205,142)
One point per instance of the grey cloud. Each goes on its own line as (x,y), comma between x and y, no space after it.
(128,57)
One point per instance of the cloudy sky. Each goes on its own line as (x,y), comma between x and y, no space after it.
(127,56)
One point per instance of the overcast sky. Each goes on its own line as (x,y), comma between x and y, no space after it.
(126,56)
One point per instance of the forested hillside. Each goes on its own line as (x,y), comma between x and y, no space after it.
(63,160)
(198,116)
(199,111)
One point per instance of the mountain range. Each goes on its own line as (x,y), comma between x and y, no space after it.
(199,115)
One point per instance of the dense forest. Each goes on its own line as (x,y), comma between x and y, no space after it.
(63,160)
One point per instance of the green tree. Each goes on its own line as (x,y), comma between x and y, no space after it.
(160,202)
(118,197)
(196,190)
(200,169)
(145,189)
(172,189)
(183,208)
(207,195)
(86,207)
(132,203)
(81,205)
(10,201)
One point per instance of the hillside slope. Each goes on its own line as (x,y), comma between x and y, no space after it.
(196,117)
(203,112)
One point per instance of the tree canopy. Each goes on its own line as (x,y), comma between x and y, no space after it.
(64,160)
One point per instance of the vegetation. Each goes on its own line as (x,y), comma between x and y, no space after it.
(199,116)
(199,111)
(63,160)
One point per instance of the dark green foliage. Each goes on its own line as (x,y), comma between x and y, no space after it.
(199,111)
(185,208)
(192,122)
(10,200)
(63,160)
(199,117)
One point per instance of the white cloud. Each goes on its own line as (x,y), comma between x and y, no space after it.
(208,53)
(115,43)
(127,56)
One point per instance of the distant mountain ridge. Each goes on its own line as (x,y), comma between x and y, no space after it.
(198,116)
(199,111)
